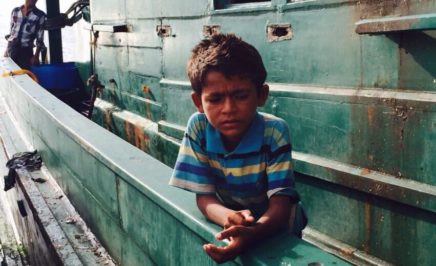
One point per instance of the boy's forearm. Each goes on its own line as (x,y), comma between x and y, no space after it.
(275,218)
(213,209)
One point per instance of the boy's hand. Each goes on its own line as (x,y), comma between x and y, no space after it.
(243,217)
(240,238)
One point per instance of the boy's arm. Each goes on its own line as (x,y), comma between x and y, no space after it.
(241,237)
(273,220)
(214,210)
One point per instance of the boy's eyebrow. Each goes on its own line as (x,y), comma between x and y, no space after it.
(215,94)
(236,91)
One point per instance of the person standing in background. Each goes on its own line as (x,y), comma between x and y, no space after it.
(27,23)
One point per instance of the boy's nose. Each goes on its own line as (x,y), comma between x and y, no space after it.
(229,105)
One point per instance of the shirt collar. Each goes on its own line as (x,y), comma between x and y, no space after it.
(29,10)
(251,141)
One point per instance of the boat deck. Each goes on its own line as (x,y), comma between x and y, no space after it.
(121,192)
(50,232)
(11,251)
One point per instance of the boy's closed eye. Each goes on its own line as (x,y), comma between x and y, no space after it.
(240,95)
(236,95)
(215,97)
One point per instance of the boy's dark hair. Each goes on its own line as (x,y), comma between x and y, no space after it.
(227,54)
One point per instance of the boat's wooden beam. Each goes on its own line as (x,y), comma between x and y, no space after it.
(54,35)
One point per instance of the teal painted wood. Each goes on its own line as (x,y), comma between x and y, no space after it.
(394,24)
(363,105)
(123,193)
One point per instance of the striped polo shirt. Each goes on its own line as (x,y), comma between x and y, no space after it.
(259,167)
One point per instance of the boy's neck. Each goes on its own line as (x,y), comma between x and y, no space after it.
(230,145)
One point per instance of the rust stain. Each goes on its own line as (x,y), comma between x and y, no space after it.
(370,113)
(209,30)
(147,146)
(139,137)
(365,171)
(107,119)
(377,8)
(367,224)
(346,252)
(146,89)
(399,110)
(127,131)
(136,135)
(401,113)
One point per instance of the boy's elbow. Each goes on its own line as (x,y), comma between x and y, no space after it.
(204,199)
(202,202)
(283,208)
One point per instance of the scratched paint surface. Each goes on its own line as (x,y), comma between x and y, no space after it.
(363,100)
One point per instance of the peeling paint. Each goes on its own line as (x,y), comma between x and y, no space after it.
(279,32)
(209,30)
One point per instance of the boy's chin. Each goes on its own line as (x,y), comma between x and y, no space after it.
(231,138)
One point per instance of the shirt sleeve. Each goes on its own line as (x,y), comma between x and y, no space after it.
(279,169)
(40,32)
(12,20)
(192,171)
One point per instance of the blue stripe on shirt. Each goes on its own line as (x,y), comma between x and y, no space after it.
(198,170)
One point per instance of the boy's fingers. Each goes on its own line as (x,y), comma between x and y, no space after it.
(219,254)
(227,233)
(243,217)
(213,251)
(236,219)
(249,219)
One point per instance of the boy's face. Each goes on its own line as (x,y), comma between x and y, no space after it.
(229,104)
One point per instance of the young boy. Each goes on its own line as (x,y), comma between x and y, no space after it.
(236,160)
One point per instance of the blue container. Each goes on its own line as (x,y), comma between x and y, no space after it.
(59,76)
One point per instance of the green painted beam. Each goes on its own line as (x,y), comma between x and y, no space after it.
(395,24)
(372,182)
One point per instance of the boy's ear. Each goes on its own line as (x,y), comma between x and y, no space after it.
(263,95)
(196,98)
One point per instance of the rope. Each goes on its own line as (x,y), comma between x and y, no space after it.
(19,72)
(63,19)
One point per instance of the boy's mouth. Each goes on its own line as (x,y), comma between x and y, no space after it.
(230,123)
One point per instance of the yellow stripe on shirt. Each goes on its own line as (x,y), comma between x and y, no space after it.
(238,171)
(280,166)
(189,152)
